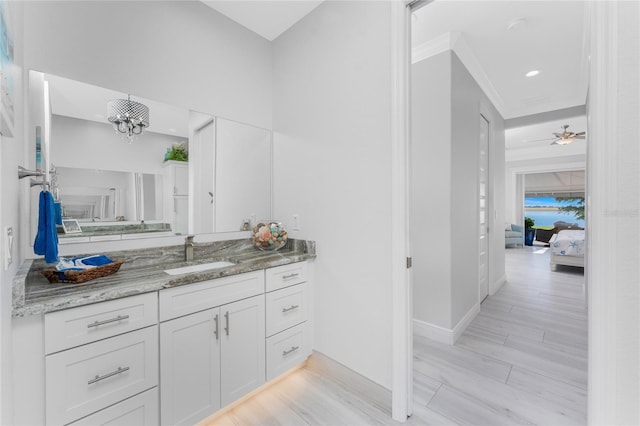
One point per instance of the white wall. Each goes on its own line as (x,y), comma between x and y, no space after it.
(613,211)
(11,153)
(332,162)
(445,191)
(431,189)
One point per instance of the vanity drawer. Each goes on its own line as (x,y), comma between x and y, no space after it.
(139,410)
(179,301)
(88,378)
(287,307)
(287,349)
(286,275)
(85,324)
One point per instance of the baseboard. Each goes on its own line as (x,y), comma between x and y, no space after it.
(326,366)
(442,334)
(465,321)
(497,285)
(433,332)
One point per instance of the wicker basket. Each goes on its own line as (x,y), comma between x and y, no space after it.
(77,277)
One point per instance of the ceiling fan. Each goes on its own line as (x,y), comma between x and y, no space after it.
(564,138)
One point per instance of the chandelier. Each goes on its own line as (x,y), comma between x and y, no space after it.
(128,117)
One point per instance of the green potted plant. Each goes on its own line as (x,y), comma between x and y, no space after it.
(529,232)
(177,152)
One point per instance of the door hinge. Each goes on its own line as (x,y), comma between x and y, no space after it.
(409,262)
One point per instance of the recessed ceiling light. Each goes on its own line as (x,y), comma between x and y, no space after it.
(516,24)
(532,73)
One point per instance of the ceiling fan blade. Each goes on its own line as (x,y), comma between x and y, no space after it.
(557,135)
(578,136)
(541,140)
(580,133)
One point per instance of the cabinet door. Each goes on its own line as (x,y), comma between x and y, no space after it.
(180,214)
(181,180)
(190,368)
(243,348)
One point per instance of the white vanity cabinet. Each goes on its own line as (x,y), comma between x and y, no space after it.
(98,356)
(214,356)
(171,356)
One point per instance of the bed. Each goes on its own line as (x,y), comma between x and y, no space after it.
(567,248)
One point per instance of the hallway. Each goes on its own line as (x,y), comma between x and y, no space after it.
(523,360)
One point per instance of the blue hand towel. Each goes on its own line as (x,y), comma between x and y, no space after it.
(58,209)
(46,241)
(82,263)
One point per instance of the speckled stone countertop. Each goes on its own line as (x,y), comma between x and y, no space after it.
(143,272)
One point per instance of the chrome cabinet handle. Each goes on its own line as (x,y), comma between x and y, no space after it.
(293,349)
(96,379)
(290,308)
(215,330)
(211,194)
(116,319)
(226,317)
(286,277)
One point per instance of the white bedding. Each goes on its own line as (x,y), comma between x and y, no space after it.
(568,242)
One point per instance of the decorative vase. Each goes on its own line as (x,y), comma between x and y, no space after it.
(269,235)
(529,235)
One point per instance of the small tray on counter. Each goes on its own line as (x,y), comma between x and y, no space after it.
(81,276)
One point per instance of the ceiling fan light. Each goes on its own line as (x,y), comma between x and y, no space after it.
(564,141)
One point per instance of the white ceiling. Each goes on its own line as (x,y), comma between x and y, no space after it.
(265,17)
(550,39)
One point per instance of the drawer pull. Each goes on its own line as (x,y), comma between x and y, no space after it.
(290,308)
(215,330)
(286,277)
(293,349)
(116,319)
(96,379)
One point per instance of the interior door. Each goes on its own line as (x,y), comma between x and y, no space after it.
(202,158)
(483,208)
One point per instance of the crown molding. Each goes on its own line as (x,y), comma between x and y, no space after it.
(455,42)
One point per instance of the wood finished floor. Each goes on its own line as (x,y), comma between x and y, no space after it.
(523,360)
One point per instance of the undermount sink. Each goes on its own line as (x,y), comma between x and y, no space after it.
(198,268)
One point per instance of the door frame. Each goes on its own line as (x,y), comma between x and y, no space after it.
(402,329)
(489,208)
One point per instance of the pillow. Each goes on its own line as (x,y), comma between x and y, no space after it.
(507,227)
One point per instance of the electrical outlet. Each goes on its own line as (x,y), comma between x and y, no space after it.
(295,222)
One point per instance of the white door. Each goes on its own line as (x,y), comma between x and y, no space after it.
(202,158)
(483,200)
(243,348)
(190,367)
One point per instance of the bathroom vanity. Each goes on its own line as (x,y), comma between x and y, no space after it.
(145,347)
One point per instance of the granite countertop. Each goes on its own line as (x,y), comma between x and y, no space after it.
(143,272)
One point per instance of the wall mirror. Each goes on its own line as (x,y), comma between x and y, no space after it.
(117,190)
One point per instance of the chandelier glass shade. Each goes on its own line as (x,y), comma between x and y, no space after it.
(128,117)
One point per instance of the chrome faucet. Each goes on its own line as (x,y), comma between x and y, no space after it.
(188,248)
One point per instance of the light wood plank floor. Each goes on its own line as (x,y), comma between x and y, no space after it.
(523,360)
